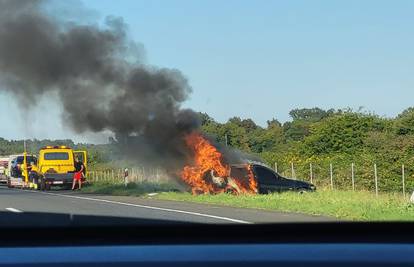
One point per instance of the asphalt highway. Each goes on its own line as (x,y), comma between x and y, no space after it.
(66,205)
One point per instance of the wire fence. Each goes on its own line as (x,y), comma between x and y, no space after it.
(135,175)
(334,176)
(352,176)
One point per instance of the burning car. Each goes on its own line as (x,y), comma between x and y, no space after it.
(269,181)
(209,173)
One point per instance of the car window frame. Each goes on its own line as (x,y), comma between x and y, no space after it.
(275,175)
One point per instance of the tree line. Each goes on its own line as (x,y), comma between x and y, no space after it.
(324,137)
(312,136)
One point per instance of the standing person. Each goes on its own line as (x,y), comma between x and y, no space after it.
(79,167)
(33,175)
(26,168)
(126,173)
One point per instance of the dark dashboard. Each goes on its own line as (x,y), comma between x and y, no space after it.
(175,244)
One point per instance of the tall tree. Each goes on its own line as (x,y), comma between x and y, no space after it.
(404,123)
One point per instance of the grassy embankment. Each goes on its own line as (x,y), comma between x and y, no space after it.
(349,205)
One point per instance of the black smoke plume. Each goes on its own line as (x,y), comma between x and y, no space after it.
(102,84)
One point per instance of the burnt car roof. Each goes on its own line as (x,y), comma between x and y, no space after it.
(244,165)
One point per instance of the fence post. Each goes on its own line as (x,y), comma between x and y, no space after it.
(293,170)
(113,177)
(135,175)
(352,176)
(331,174)
(139,175)
(376,179)
(403,179)
(276,167)
(311,173)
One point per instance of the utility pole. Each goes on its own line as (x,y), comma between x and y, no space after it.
(226,139)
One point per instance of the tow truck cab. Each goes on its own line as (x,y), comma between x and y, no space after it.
(56,166)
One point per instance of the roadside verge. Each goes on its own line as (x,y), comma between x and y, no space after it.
(347,205)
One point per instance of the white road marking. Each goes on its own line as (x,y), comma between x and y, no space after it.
(14,210)
(148,207)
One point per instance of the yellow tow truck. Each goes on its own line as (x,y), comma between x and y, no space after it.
(56,167)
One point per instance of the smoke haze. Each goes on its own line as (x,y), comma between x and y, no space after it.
(99,77)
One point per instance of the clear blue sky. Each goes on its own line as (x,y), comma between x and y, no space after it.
(260,59)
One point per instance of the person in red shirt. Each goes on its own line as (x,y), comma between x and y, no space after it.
(79,167)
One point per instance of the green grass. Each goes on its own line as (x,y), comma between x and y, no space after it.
(340,204)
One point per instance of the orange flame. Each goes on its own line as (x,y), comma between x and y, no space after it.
(209,161)
(252,180)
